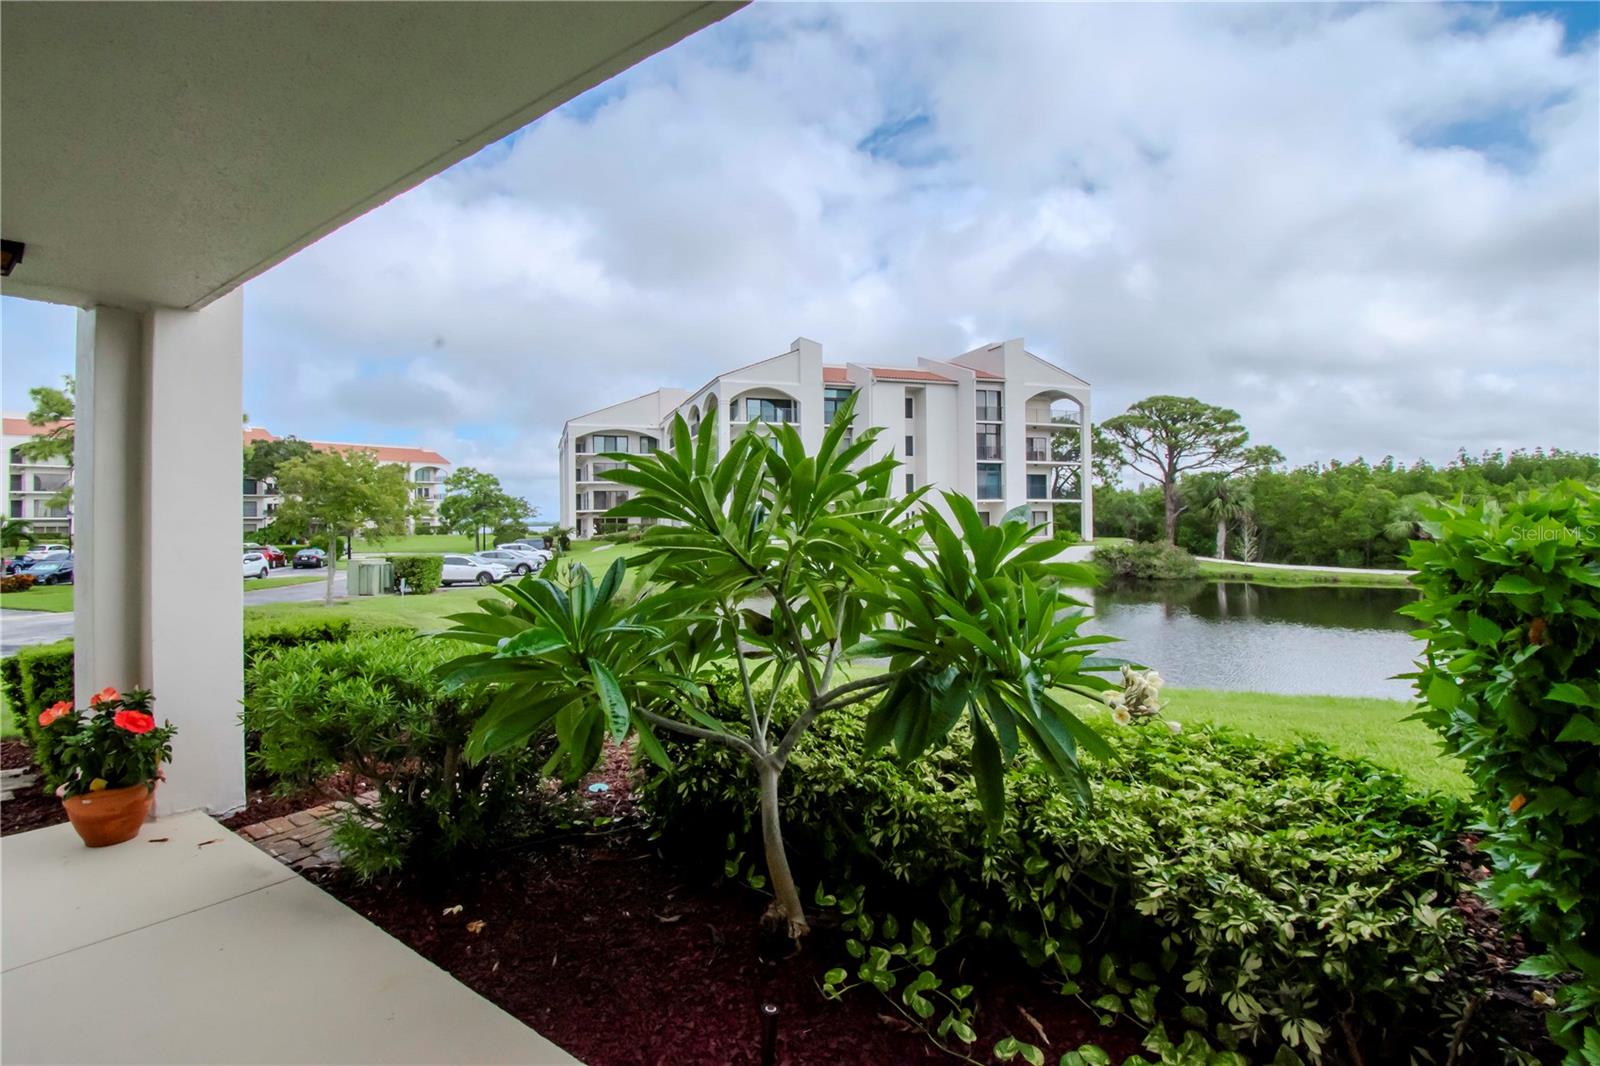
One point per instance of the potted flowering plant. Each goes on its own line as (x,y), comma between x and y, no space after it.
(113,752)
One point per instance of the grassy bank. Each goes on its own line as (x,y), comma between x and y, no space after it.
(1364,728)
(1216,571)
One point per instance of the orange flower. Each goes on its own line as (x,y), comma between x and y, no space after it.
(1518,802)
(133,721)
(54,711)
(106,695)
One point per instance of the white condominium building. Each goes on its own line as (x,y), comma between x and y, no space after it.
(425,473)
(33,485)
(997,424)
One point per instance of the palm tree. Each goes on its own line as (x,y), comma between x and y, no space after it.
(1406,518)
(14,534)
(1224,500)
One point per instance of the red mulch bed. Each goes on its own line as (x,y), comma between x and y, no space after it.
(608,950)
(30,808)
(610,953)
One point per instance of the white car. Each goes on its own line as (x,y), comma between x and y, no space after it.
(521,559)
(39,551)
(256,565)
(462,569)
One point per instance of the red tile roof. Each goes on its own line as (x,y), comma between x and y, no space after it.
(21,427)
(835,375)
(902,373)
(984,375)
(386,453)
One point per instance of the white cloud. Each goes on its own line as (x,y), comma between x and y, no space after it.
(1369,229)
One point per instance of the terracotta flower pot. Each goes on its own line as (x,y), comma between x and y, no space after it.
(110,816)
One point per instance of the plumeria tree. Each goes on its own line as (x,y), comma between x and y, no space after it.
(794,571)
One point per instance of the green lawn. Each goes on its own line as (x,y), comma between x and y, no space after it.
(300,577)
(423,543)
(423,612)
(1364,728)
(39,598)
(1263,576)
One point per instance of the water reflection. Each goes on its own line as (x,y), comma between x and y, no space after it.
(1243,637)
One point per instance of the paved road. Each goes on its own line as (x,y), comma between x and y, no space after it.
(21,628)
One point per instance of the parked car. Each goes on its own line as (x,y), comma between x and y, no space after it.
(275,556)
(39,551)
(310,559)
(56,569)
(517,561)
(528,547)
(26,564)
(256,565)
(461,569)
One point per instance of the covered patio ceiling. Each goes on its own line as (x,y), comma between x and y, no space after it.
(160,155)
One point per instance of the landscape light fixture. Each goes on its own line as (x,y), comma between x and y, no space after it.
(10,256)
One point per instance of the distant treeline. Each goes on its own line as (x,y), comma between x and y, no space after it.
(1329,514)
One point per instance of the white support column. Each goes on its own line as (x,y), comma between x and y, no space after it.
(159,603)
(1086,473)
(194,605)
(108,498)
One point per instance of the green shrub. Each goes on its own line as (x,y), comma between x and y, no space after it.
(1065,535)
(36,677)
(1146,559)
(41,674)
(16,583)
(1284,895)
(373,705)
(1511,679)
(421,573)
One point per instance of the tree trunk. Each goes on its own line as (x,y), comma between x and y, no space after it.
(1169,500)
(1222,538)
(786,910)
(333,564)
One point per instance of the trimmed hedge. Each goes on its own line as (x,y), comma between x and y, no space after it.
(375,705)
(1146,559)
(41,674)
(421,573)
(1265,896)
(1511,680)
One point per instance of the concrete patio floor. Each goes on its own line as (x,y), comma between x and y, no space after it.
(202,949)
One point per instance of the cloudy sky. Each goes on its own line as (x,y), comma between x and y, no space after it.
(1371,230)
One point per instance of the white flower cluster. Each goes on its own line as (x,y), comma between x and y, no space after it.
(1139,699)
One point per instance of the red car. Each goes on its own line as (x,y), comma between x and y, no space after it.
(275,558)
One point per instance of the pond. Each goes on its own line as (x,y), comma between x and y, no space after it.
(1319,640)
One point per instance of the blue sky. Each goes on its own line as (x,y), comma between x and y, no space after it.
(1371,229)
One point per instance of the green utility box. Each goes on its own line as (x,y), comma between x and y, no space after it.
(371,577)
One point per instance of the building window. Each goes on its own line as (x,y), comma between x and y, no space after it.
(16,482)
(1040,518)
(989,443)
(986,518)
(603,442)
(832,400)
(16,457)
(16,508)
(1038,487)
(911,484)
(1038,449)
(761,409)
(583,501)
(250,509)
(911,446)
(647,444)
(911,407)
(988,405)
(989,481)
(49,482)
